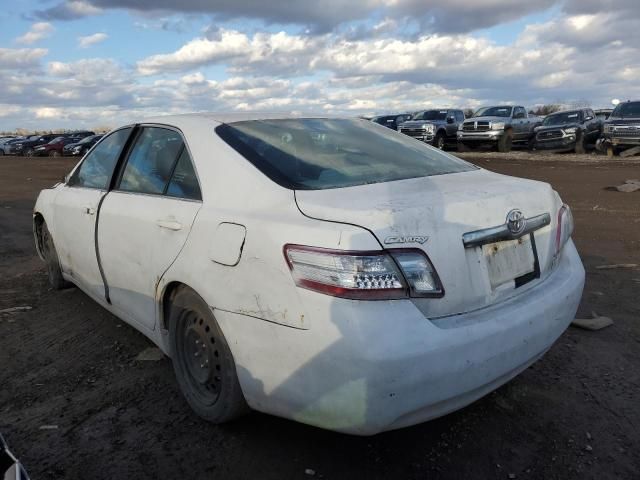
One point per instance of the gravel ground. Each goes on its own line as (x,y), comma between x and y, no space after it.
(75,403)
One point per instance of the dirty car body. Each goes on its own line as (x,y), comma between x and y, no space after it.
(363,281)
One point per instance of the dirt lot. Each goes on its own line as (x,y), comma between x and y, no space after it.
(68,366)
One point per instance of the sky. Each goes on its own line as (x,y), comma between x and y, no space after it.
(103,63)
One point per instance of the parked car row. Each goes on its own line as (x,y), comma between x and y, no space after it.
(502,126)
(50,144)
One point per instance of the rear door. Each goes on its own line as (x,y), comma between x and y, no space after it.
(520,124)
(75,211)
(145,220)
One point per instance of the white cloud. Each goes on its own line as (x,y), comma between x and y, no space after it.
(89,40)
(22,58)
(37,32)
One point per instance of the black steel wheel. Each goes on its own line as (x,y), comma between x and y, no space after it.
(54,272)
(202,360)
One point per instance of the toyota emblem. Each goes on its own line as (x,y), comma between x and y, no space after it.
(516,223)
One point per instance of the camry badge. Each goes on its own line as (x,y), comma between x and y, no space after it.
(516,223)
(406,239)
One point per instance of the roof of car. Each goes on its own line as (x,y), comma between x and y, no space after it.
(229,117)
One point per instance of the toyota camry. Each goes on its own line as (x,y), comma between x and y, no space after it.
(326,270)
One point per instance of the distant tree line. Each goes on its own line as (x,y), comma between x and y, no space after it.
(24,132)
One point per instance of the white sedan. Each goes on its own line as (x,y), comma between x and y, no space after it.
(327,270)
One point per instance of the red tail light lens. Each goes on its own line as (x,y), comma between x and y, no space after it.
(375,275)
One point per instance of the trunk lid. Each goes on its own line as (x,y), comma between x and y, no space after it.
(443,208)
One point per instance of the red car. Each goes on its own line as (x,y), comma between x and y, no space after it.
(54,147)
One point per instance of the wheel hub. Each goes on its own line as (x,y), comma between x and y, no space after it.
(201,353)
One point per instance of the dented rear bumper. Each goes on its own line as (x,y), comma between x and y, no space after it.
(364,367)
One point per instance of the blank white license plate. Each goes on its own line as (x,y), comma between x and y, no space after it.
(508,260)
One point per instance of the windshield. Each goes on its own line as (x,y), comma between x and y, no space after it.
(431,115)
(89,139)
(563,118)
(319,153)
(627,109)
(494,112)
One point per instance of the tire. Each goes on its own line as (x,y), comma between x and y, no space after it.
(54,153)
(505,142)
(580,147)
(202,361)
(440,141)
(29,152)
(54,272)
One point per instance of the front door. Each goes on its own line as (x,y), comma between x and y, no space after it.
(76,209)
(145,221)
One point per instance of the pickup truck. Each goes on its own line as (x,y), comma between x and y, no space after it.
(622,128)
(499,126)
(436,127)
(570,130)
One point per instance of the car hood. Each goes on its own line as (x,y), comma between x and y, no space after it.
(623,121)
(418,123)
(442,208)
(487,119)
(543,128)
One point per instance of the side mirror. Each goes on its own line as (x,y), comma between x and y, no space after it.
(66,178)
(450,119)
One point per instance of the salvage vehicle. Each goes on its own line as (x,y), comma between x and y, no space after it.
(54,147)
(437,127)
(27,146)
(10,466)
(392,121)
(499,126)
(622,129)
(327,270)
(81,147)
(6,147)
(570,130)
(603,113)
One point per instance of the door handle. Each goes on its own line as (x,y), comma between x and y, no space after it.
(89,210)
(169,225)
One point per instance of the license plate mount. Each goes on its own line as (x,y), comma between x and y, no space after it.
(511,261)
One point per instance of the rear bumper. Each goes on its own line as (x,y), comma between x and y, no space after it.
(367,367)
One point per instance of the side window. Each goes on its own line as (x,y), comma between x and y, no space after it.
(151,161)
(519,113)
(184,183)
(459,116)
(97,167)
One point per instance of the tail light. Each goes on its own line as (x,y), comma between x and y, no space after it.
(374,275)
(564,228)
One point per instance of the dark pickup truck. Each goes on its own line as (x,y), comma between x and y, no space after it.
(571,130)
(622,128)
(437,127)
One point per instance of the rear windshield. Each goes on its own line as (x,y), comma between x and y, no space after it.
(319,153)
